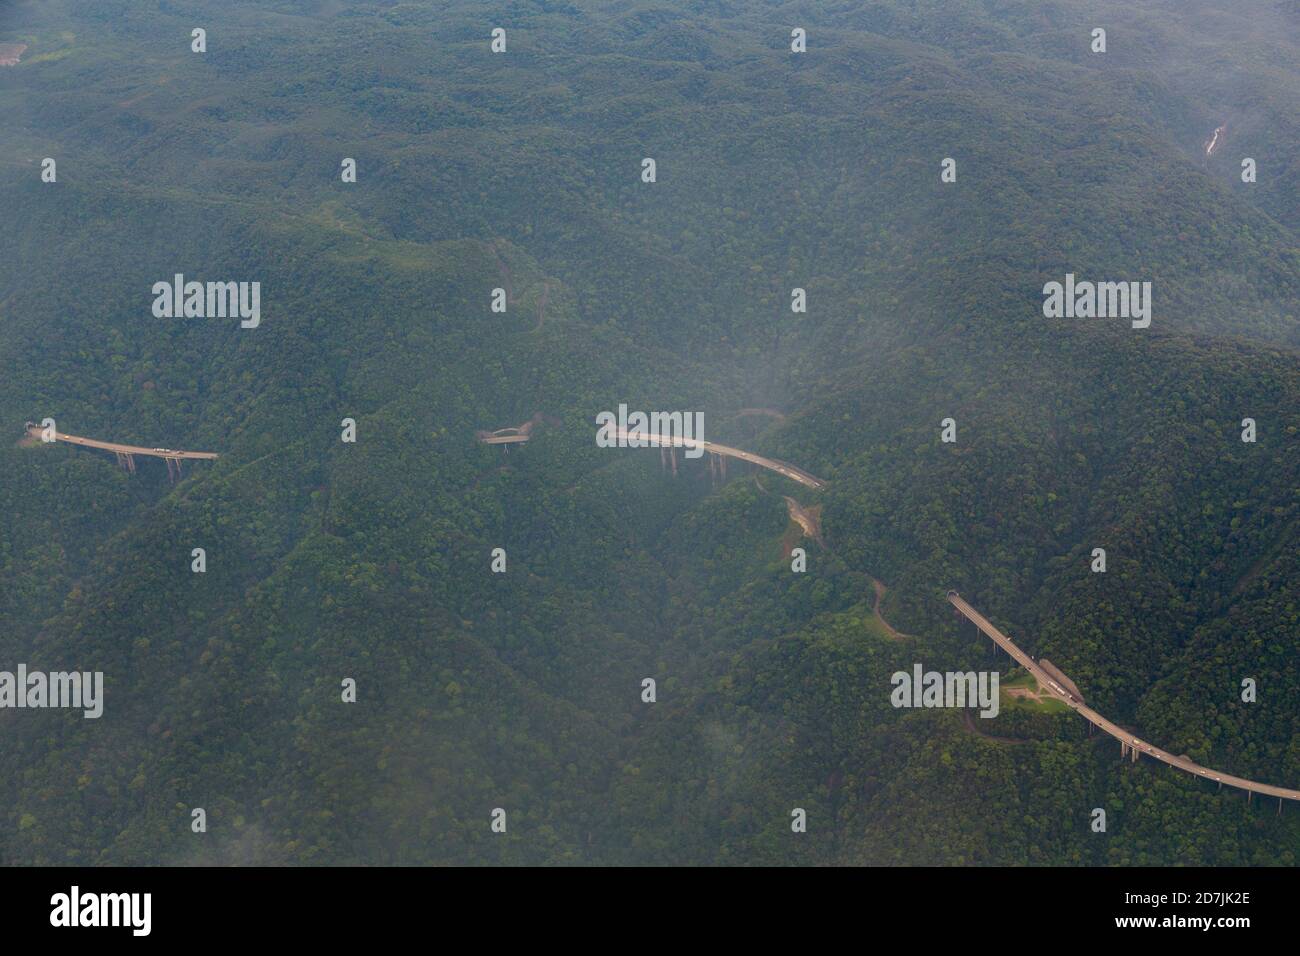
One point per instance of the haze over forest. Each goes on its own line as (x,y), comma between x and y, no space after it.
(774,171)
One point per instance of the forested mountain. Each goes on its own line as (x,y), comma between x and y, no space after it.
(774,170)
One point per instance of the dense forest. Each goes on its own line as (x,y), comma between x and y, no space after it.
(775,170)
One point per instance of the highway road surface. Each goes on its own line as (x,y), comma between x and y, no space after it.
(502,439)
(172,453)
(1129,743)
(510,436)
(772,464)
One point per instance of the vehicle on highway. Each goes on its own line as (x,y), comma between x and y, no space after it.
(1061,690)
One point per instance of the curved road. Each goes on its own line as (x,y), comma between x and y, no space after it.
(1126,739)
(1128,742)
(772,464)
(511,436)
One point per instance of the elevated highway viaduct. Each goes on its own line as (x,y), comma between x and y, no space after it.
(1129,743)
